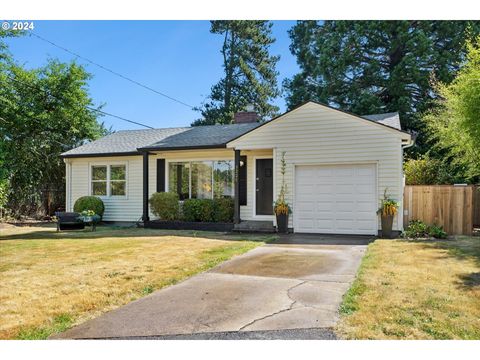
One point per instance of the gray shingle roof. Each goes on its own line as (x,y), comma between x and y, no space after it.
(128,141)
(390,119)
(202,136)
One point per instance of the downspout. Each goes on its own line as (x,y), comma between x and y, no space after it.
(412,142)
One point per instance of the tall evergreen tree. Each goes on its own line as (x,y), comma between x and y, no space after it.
(249,72)
(376,66)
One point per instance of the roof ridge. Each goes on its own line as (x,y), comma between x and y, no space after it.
(183,127)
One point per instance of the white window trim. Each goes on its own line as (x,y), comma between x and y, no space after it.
(167,172)
(108,164)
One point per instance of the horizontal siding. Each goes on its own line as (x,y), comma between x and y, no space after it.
(128,208)
(313,135)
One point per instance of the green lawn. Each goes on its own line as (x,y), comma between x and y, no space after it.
(51,281)
(415,290)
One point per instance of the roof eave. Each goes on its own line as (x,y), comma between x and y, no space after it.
(129,153)
(177,148)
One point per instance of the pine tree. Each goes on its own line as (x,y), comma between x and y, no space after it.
(249,72)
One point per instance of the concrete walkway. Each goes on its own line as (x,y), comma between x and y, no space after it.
(296,283)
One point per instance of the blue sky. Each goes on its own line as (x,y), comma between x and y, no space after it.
(179,58)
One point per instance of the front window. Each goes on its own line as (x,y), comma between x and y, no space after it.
(99,180)
(201,179)
(118,180)
(109,180)
(179,179)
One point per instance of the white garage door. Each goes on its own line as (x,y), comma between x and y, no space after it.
(335,199)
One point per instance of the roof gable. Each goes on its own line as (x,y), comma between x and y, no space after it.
(381,121)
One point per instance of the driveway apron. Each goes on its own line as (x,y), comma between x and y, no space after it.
(295,283)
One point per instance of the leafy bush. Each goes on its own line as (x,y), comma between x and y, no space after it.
(431,171)
(223,209)
(207,210)
(198,210)
(418,229)
(165,205)
(92,203)
(437,232)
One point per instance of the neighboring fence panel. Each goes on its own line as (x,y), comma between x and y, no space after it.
(444,205)
(476,207)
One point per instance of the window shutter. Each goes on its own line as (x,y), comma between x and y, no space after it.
(160,175)
(242,181)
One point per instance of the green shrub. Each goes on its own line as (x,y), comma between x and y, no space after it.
(223,209)
(92,203)
(437,232)
(165,205)
(198,210)
(418,229)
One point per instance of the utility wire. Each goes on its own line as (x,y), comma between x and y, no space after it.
(111,71)
(88,107)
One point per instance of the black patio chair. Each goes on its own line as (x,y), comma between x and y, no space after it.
(69,221)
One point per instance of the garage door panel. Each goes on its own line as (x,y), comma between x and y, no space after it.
(348,206)
(364,189)
(324,205)
(324,189)
(345,189)
(343,171)
(306,206)
(367,207)
(366,171)
(336,199)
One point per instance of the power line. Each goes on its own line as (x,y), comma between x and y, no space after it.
(88,107)
(111,71)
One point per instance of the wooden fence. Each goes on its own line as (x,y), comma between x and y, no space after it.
(456,208)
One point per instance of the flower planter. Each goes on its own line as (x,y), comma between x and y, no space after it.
(387,223)
(282,223)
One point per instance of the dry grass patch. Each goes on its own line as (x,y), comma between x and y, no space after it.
(51,281)
(415,290)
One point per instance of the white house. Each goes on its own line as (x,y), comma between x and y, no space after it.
(338,167)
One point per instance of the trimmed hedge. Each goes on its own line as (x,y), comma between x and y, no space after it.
(165,205)
(89,203)
(207,210)
(198,210)
(224,209)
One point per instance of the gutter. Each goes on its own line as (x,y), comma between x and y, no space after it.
(412,142)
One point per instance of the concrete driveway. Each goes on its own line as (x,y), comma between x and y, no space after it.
(292,284)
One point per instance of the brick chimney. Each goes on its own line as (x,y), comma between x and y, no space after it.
(248,116)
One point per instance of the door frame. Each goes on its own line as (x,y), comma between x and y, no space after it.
(294,185)
(254,187)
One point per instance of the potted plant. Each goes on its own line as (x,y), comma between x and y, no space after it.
(87,215)
(387,211)
(280,207)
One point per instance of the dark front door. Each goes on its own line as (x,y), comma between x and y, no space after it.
(264,187)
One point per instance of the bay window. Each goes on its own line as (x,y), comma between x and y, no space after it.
(201,179)
(108,180)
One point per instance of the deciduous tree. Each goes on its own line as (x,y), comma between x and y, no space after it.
(43,113)
(454,124)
